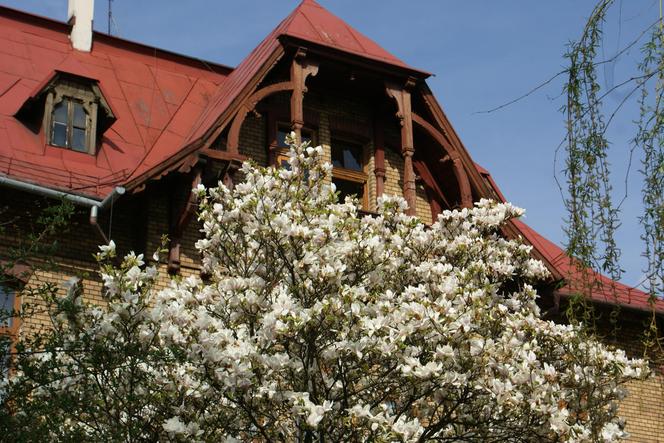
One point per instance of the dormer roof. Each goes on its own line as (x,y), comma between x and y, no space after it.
(313,23)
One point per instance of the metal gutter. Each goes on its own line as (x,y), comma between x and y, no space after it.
(94,205)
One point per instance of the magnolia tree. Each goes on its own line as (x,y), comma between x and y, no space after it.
(314,323)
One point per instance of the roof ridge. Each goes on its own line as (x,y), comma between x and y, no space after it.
(26,16)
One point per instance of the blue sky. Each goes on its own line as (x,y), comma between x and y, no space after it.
(483,54)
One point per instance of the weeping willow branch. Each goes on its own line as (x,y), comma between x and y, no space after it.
(650,139)
(593,216)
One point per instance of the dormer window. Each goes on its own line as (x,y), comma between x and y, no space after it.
(72,111)
(70,116)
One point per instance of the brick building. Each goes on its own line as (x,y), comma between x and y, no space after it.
(125,131)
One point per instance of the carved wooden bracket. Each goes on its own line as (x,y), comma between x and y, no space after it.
(301,68)
(402,97)
(228,177)
(436,196)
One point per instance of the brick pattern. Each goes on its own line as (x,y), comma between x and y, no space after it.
(422,204)
(644,410)
(253,140)
(644,407)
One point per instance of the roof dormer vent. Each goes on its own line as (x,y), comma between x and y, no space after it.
(79,16)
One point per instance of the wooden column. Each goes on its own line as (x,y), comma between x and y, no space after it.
(464,183)
(402,96)
(180,219)
(301,68)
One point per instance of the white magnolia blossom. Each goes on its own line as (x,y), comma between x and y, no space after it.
(316,323)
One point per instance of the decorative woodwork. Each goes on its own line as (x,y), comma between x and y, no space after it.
(215,154)
(436,196)
(233,143)
(180,220)
(402,97)
(301,68)
(451,155)
(228,176)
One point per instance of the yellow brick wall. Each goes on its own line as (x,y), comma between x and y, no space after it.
(34,300)
(73,254)
(393,173)
(422,204)
(253,141)
(644,410)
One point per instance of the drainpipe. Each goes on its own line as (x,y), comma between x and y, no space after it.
(94,205)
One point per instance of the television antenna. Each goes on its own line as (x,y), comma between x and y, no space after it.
(110,15)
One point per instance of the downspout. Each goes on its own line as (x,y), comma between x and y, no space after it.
(94,205)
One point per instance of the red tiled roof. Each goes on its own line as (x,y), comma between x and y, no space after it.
(163,102)
(310,22)
(155,95)
(577,278)
(603,289)
(313,23)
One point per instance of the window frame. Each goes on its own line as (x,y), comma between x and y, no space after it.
(352,175)
(72,92)
(280,154)
(11,331)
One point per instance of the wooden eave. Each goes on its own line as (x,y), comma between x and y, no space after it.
(347,58)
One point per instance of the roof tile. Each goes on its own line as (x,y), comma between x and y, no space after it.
(155,82)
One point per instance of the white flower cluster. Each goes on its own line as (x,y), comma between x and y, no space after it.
(317,323)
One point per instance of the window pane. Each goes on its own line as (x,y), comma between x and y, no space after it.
(6,306)
(347,187)
(59,134)
(80,116)
(353,158)
(281,137)
(346,155)
(60,112)
(337,156)
(283,131)
(307,136)
(78,140)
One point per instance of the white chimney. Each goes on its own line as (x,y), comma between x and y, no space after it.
(79,15)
